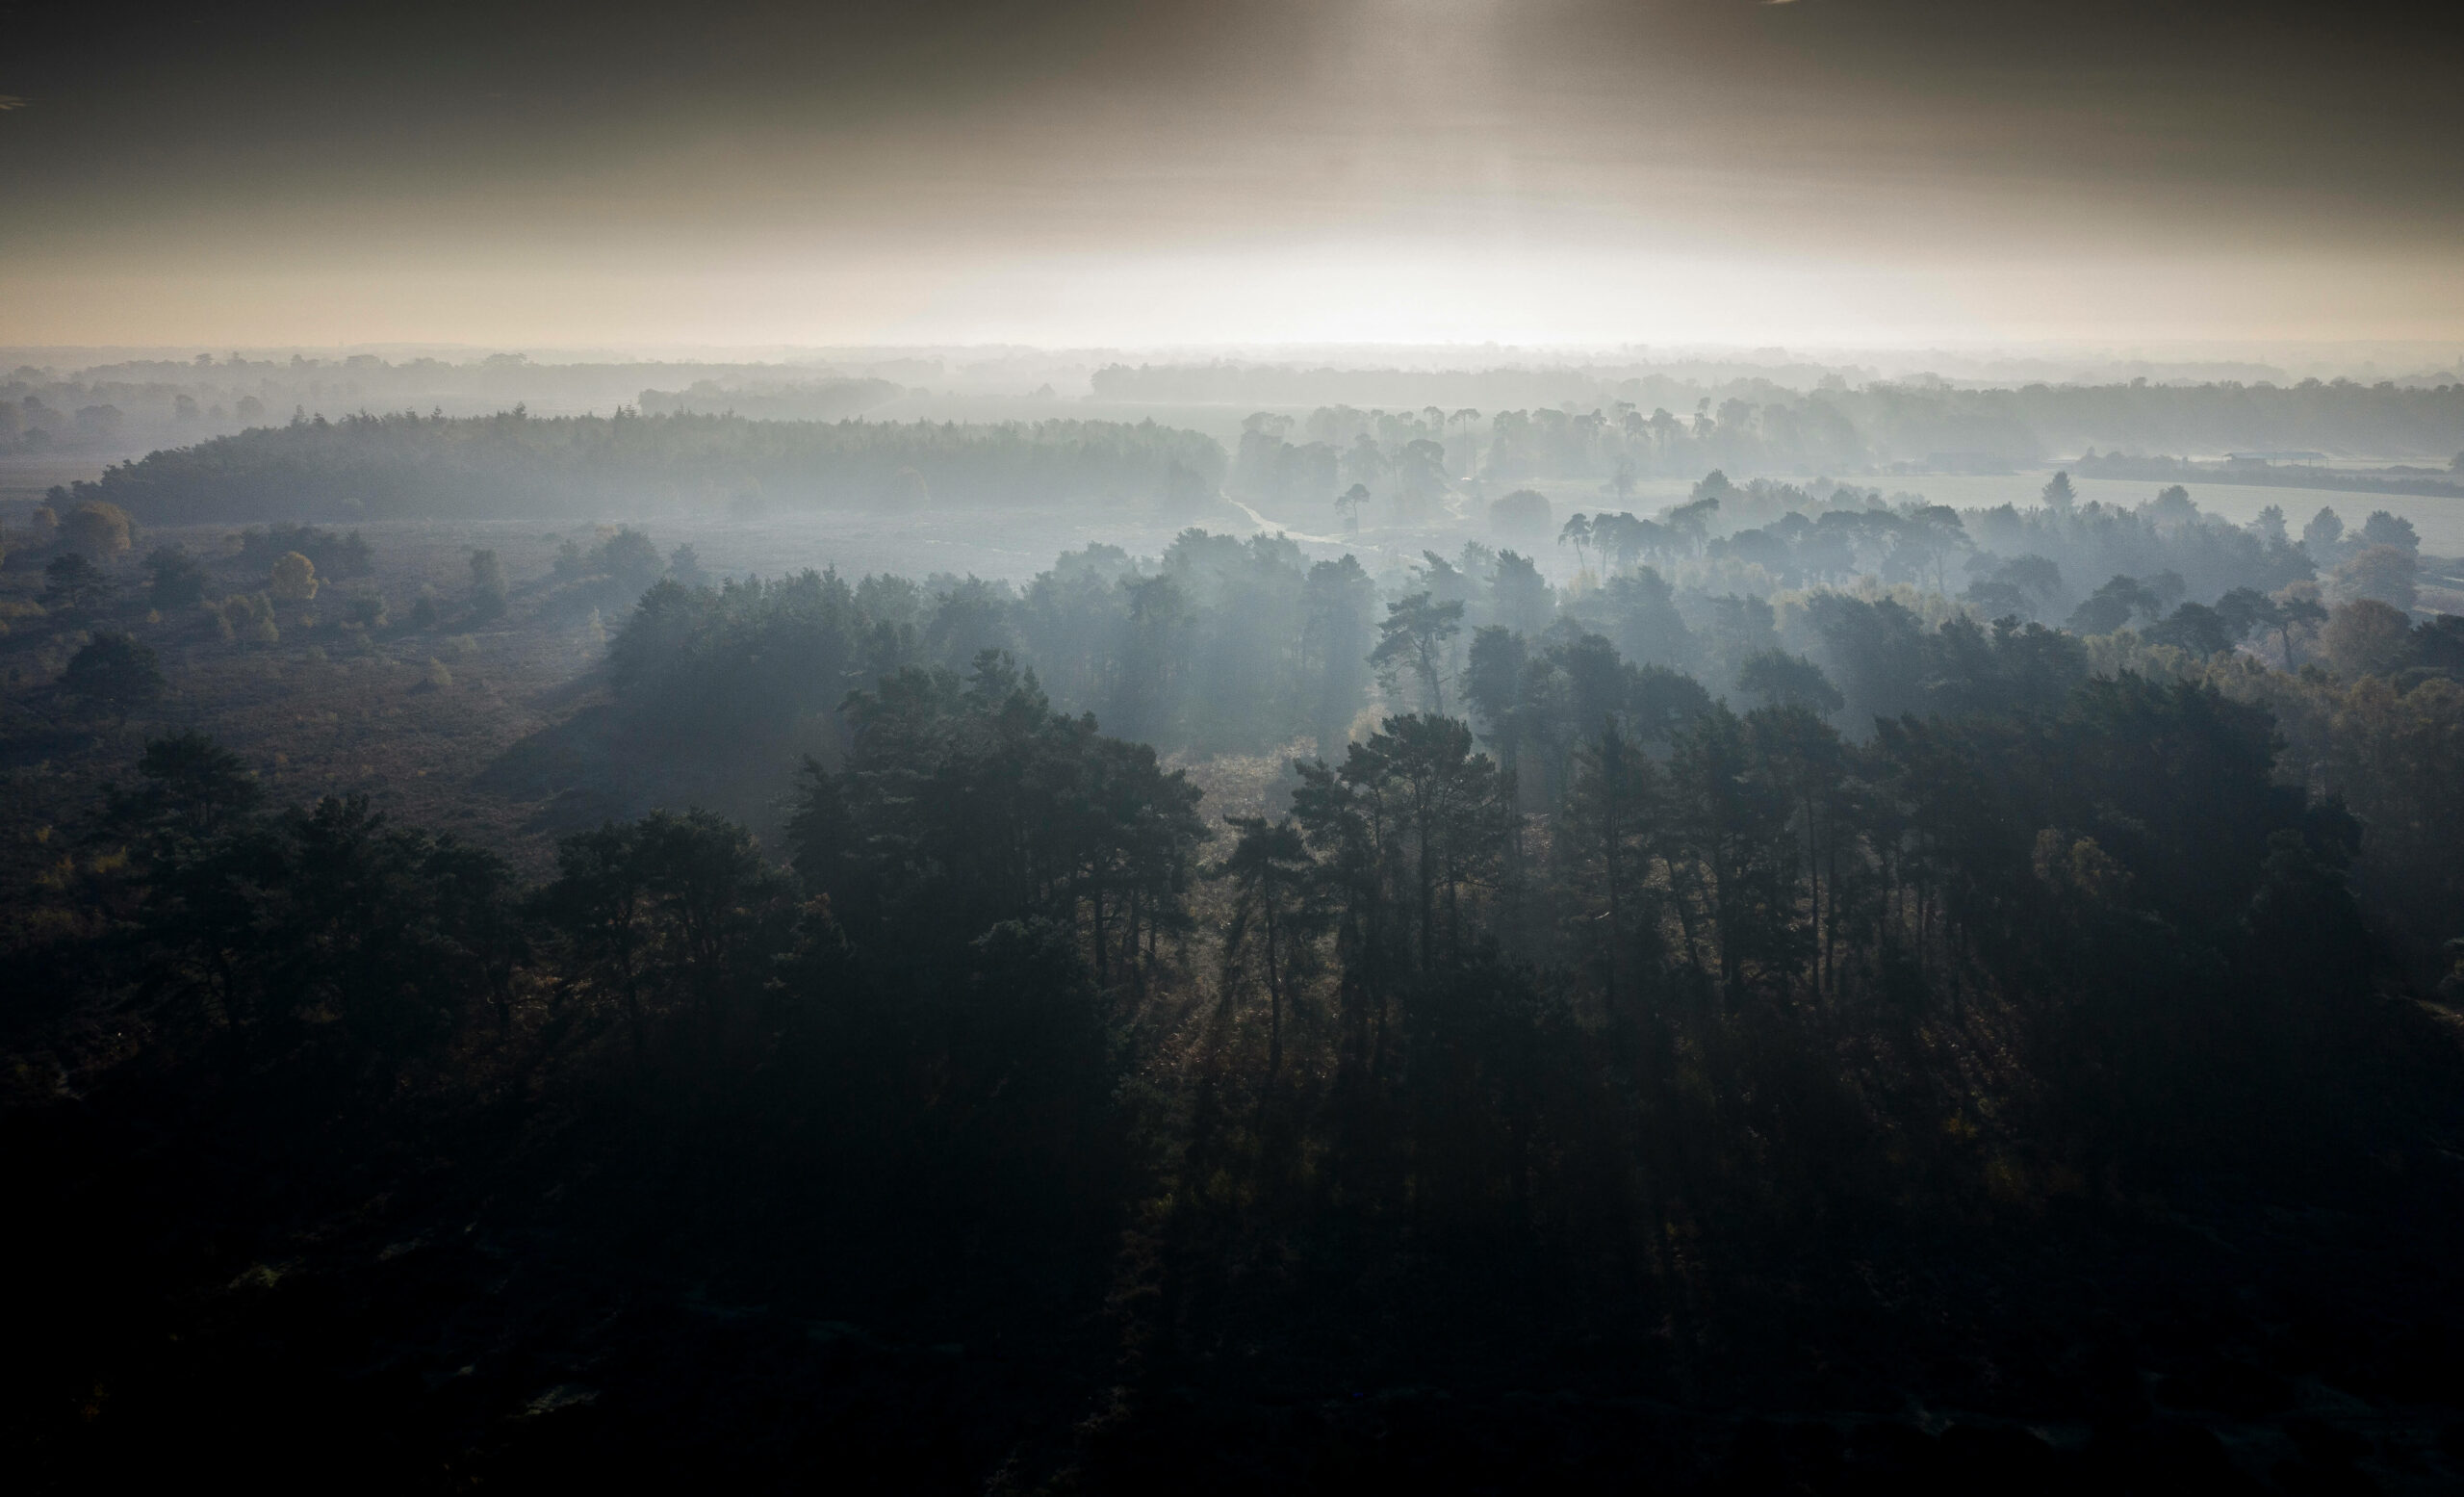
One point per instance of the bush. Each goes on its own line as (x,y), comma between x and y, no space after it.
(97,530)
(1523,514)
(74,584)
(250,619)
(487,584)
(625,557)
(179,581)
(293,578)
(335,555)
(629,558)
(114,672)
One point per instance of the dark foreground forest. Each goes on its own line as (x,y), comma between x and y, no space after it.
(1949,1056)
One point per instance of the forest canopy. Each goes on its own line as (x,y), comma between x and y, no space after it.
(409,466)
(1817,420)
(1268,991)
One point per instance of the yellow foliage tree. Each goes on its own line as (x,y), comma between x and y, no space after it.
(2366,638)
(249,619)
(97,529)
(294,578)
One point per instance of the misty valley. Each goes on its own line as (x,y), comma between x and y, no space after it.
(1223,936)
(1232,746)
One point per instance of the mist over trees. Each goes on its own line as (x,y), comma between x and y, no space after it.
(109,408)
(1271,992)
(1221,645)
(773,399)
(1404,458)
(1529,813)
(1662,427)
(2001,410)
(1546,968)
(407,466)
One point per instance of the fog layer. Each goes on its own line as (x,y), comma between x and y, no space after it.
(1564,172)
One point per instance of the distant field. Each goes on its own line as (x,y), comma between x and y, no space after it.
(307,715)
(23,479)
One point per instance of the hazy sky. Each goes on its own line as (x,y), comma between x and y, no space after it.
(1814,172)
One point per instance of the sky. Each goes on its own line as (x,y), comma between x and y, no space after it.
(1576,172)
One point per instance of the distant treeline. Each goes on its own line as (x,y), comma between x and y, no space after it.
(809,399)
(1405,389)
(2269,475)
(1643,432)
(142,403)
(397,466)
